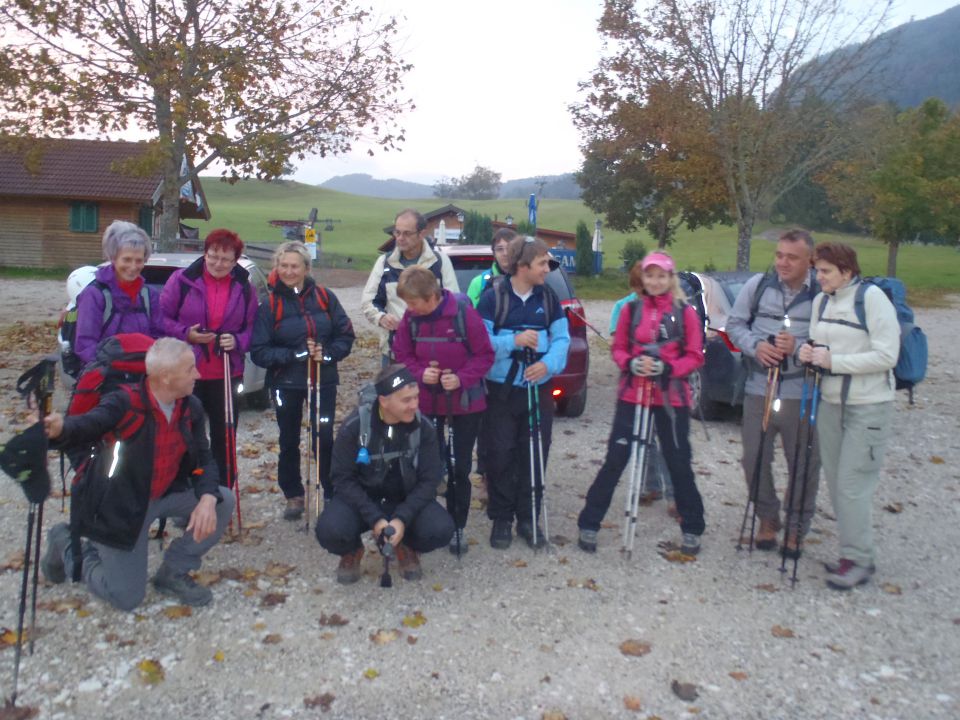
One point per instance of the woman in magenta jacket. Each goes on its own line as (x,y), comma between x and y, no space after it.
(443,342)
(212,305)
(654,363)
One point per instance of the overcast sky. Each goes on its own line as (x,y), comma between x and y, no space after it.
(492,82)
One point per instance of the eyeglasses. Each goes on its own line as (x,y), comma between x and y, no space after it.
(406,234)
(220,259)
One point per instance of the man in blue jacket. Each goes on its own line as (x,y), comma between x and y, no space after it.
(530,337)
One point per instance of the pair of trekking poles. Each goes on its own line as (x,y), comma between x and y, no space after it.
(313,469)
(809,401)
(449,454)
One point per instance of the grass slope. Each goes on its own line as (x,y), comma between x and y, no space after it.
(247,206)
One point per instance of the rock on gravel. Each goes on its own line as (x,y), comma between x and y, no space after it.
(518,634)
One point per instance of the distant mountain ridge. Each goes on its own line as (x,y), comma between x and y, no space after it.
(558,187)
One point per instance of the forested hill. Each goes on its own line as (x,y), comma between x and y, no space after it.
(916,61)
(368,186)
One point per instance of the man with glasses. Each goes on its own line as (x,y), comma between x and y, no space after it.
(379,301)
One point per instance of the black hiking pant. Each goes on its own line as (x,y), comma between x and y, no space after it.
(339,528)
(289,406)
(210,394)
(507,436)
(465,429)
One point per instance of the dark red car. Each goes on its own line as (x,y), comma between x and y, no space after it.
(570,386)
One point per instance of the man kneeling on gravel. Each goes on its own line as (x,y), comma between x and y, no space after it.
(386,469)
(153,461)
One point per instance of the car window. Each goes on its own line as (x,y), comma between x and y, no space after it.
(156,276)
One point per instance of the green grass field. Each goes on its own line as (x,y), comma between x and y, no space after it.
(246,207)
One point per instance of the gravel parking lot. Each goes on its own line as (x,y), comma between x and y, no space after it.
(518,634)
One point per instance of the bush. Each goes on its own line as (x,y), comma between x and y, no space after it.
(584,250)
(633,250)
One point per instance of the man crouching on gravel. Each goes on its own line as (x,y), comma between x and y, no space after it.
(154,462)
(386,469)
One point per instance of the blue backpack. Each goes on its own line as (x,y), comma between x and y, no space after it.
(911,367)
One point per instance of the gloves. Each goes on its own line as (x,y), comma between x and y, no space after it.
(636,365)
(658,367)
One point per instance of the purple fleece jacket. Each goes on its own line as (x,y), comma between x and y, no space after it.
(470,360)
(129,316)
(238,316)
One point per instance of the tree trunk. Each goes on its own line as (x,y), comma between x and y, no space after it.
(744,234)
(892,248)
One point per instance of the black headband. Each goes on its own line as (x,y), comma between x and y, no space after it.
(395,381)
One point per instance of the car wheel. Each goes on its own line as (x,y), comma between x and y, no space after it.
(258,400)
(574,405)
(700,406)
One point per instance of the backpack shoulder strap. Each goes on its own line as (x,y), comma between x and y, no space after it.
(107,300)
(501,306)
(767,281)
(549,300)
(858,304)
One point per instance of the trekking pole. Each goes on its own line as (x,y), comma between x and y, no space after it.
(808,454)
(319,420)
(537,488)
(792,492)
(772,376)
(24,582)
(233,477)
(638,457)
(452,467)
(312,389)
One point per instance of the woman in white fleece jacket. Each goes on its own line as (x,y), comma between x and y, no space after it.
(856,412)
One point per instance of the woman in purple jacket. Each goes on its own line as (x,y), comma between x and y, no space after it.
(212,306)
(118,300)
(443,342)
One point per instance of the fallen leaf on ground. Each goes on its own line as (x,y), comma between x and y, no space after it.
(553,715)
(272,639)
(411,639)
(13,562)
(738,675)
(273,599)
(767,587)
(891,589)
(150,672)
(254,525)
(8,637)
(178,611)
(278,569)
(634,648)
(320,701)
(676,556)
(207,577)
(519,563)
(894,507)
(62,606)
(218,656)
(632,702)
(836,648)
(685,691)
(334,620)
(937,460)
(437,587)
(415,620)
(586,584)
(17,712)
(782,632)
(382,637)
(371,674)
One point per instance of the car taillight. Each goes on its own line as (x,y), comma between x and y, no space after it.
(576,317)
(557,392)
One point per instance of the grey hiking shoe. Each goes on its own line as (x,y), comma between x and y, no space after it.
(181,586)
(847,575)
(690,544)
(588,540)
(58,539)
(294,508)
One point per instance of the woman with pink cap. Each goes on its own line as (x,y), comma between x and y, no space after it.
(657,344)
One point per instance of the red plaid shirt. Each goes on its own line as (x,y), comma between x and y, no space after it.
(169,447)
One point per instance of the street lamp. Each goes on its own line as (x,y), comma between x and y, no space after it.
(460,218)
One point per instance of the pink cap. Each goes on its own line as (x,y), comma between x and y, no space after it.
(661,260)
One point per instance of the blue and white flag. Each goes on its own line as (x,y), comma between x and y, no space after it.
(532,206)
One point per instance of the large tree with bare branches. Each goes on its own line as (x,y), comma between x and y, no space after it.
(752,66)
(242,85)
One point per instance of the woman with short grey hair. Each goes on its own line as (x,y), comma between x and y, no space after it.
(118,299)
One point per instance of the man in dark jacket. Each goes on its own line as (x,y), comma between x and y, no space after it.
(152,440)
(386,469)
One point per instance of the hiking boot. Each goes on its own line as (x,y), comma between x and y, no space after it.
(501,534)
(834,567)
(458,537)
(587,540)
(791,547)
(847,575)
(181,586)
(58,539)
(294,509)
(767,534)
(409,562)
(348,571)
(525,530)
(690,544)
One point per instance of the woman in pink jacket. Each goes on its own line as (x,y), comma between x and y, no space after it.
(442,340)
(657,344)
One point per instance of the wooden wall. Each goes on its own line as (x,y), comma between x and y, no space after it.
(35,232)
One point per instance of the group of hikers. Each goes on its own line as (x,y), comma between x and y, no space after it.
(458,372)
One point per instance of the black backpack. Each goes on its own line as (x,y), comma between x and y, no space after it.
(501,307)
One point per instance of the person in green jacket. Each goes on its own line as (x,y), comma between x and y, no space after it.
(501,239)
